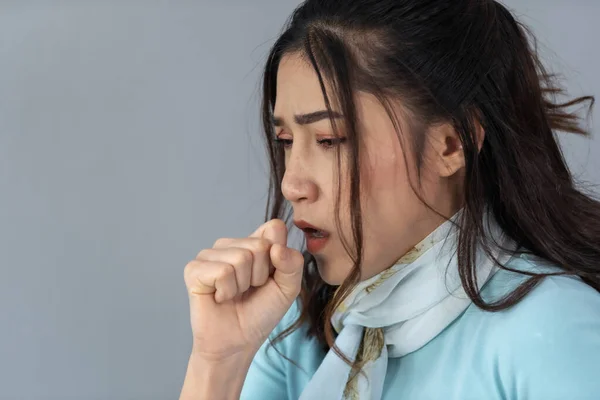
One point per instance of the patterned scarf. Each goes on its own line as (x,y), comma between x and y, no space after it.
(399,311)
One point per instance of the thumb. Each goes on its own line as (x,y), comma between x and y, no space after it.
(289,266)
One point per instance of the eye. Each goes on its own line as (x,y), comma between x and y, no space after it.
(331,142)
(285,143)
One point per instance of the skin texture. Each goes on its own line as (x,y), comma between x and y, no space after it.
(230,284)
(394,218)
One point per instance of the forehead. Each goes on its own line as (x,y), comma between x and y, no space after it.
(298,88)
(299,92)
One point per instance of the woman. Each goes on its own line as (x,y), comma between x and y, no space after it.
(449,253)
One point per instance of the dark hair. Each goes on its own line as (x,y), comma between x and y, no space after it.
(455,61)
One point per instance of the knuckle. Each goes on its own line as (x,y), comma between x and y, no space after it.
(222,242)
(243,257)
(226,271)
(276,223)
(245,286)
(202,254)
(262,246)
(189,269)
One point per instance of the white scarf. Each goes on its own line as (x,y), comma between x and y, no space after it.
(412,301)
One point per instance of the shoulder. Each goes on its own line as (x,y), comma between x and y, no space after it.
(548,343)
(556,302)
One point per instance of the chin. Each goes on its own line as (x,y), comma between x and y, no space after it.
(330,274)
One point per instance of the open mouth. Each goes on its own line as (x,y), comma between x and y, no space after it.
(316,239)
(315,233)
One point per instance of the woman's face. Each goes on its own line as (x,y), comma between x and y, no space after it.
(393,217)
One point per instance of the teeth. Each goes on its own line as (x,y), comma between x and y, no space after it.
(317,234)
(314,233)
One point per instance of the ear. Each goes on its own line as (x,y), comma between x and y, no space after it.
(448,155)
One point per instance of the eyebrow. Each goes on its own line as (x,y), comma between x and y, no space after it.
(306,119)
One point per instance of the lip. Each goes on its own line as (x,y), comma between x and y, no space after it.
(313,244)
(302,225)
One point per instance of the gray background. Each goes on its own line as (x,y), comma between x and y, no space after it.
(128,142)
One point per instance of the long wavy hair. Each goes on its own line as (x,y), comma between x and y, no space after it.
(460,62)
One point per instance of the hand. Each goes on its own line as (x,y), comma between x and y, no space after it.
(240,289)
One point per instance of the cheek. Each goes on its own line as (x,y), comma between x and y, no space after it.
(384,193)
(384,175)
(389,203)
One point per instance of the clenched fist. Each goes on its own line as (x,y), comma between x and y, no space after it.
(240,289)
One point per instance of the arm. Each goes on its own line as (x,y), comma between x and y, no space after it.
(267,378)
(255,375)
(215,380)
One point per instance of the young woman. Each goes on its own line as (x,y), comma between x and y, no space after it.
(449,254)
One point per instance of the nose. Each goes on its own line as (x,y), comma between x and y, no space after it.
(298,184)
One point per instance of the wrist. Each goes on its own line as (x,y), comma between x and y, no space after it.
(229,363)
(209,378)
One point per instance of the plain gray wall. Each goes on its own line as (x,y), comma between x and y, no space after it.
(129,140)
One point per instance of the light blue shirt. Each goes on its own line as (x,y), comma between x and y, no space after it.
(547,347)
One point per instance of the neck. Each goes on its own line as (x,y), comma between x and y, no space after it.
(426,238)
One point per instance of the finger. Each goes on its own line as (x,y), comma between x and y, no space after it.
(207,277)
(289,267)
(261,267)
(222,243)
(242,260)
(226,285)
(274,230)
